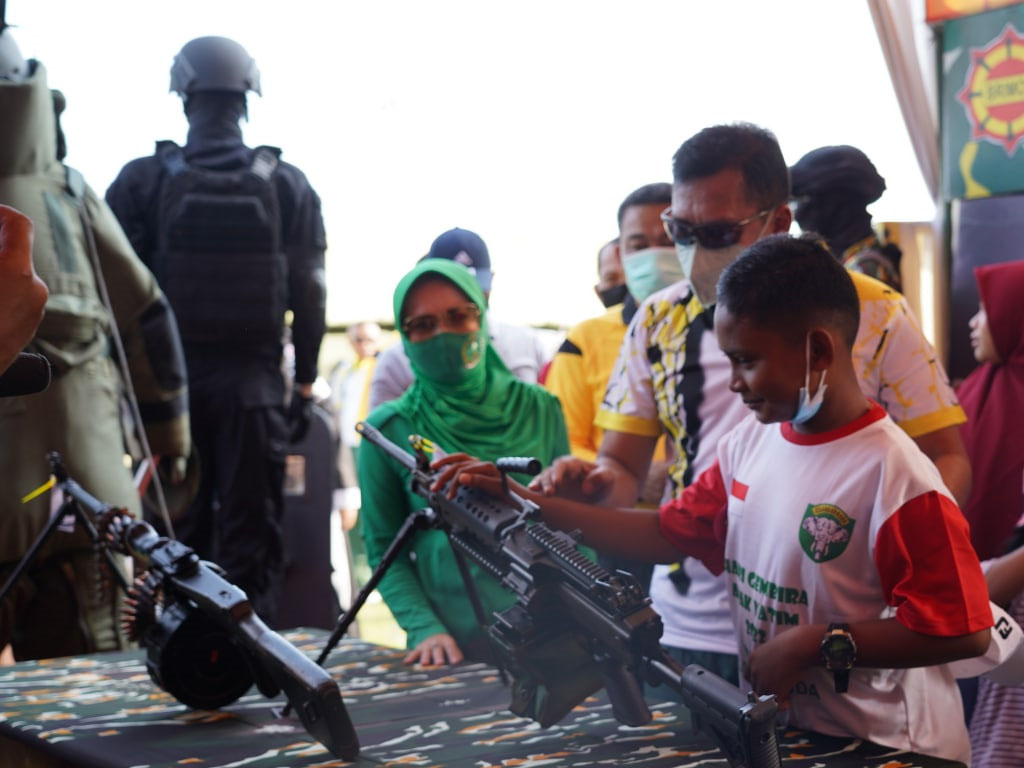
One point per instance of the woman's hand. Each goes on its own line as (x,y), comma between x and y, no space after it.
(462,469)
(435,651)
(573,478)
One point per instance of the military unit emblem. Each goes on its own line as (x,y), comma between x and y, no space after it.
(993,93)
(825,530)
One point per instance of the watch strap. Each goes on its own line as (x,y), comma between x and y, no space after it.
(842,680)
(841,676)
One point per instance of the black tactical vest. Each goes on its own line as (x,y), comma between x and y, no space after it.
(220,260)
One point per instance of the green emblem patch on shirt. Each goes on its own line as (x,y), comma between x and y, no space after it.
(825,530)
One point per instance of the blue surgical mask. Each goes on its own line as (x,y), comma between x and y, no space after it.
(650,270)
(808,405)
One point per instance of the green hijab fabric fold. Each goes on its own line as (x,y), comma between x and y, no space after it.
(489,414)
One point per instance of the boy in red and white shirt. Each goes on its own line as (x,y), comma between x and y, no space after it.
(851,573)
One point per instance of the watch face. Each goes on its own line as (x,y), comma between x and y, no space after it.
(839,651)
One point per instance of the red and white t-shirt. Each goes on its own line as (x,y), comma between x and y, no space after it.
(845,526)
(671,376)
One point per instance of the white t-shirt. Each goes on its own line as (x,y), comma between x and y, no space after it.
(847,526)
(671,376)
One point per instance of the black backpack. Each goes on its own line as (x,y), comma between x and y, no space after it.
(220,259)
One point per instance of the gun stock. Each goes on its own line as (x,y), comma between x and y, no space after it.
(742,725)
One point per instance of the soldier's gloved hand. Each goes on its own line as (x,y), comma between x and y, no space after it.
(300,414)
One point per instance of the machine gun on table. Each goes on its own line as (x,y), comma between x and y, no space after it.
(204,644)
(574,627)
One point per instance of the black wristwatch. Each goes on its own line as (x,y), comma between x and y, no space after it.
(839,653)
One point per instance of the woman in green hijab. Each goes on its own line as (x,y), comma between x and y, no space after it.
(463,399)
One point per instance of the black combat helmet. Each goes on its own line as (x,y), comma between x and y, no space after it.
(839,170)
(214,64)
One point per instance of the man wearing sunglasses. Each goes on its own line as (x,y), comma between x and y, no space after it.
(730,188)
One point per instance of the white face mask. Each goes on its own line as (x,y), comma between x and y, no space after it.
(703,266)
(808,406)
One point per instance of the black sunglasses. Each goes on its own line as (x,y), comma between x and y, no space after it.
(713,235)
(454,317)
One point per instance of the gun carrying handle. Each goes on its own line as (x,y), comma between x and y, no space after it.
(525,465)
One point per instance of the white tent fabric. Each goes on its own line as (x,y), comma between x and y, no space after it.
(914,86)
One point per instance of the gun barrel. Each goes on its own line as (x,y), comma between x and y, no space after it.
(73,489)
(374,435)
(83,497)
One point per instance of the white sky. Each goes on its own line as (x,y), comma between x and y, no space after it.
(525,121)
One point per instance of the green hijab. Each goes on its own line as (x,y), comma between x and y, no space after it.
(488,414)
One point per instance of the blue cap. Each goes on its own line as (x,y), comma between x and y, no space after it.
(466,248)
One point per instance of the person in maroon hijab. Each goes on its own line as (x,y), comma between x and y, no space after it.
(993,396)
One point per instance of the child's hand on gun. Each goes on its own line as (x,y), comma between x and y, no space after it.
(776,666)
(574,478)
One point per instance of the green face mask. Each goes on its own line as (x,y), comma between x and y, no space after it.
(651,270)
(448,358)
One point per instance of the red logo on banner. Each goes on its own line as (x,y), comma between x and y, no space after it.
(993,93)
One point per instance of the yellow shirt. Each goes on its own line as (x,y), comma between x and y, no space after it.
(579,376)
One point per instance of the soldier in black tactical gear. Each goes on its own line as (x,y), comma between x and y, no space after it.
(831,190)
(236,238)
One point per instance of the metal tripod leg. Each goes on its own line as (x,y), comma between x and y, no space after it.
(68,507)
(30,556)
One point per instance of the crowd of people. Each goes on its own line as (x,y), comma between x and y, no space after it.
(756,428)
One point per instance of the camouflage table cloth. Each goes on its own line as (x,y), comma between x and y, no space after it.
(104,711)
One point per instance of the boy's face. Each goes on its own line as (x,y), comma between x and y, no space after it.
(767,367)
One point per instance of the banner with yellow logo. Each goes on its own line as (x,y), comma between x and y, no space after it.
(983,104)
(943,10)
